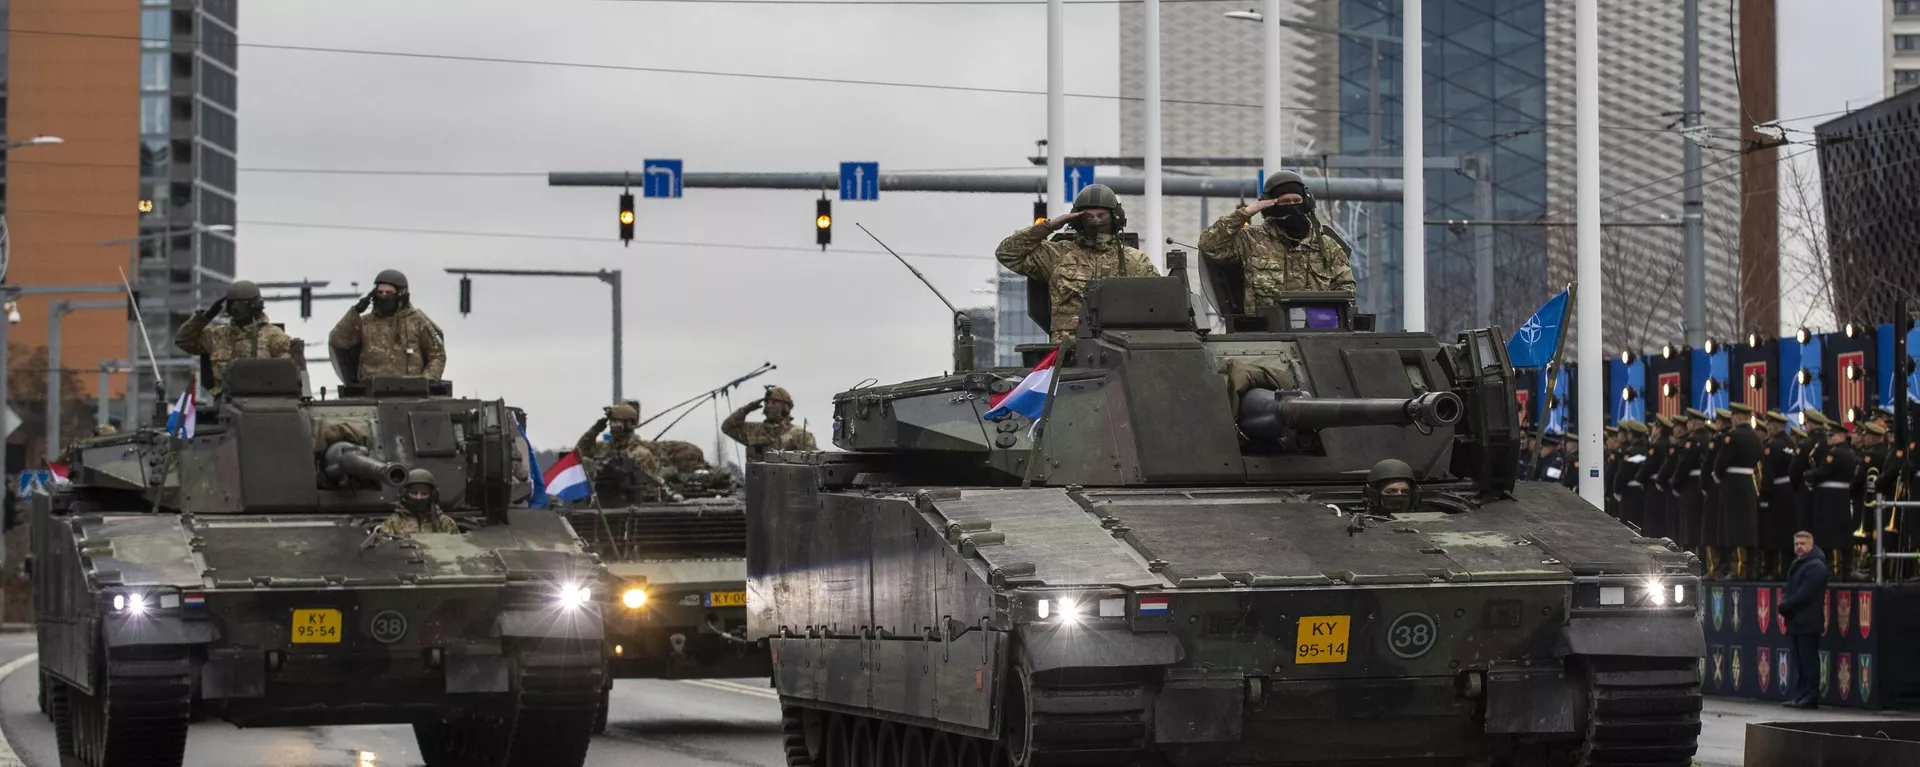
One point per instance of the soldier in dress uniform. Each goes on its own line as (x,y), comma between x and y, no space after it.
(1874,455)
(1777,521)
(1551,464)
(1713,539)
(1612,474)
(1625,474)
(1684,478)
(1829,478)
(1738,465)
(1655,493)
(1811,442)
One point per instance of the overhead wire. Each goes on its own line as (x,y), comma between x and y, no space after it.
(582,238)
(826,80)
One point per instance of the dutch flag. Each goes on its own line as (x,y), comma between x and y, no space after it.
(567,480)
(1030,397)
(182,417)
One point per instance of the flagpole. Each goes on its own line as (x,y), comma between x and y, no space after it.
(1046,412)
(1553,378)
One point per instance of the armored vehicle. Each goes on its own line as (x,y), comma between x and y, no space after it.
(673,595)
(236,571)
(1188,565)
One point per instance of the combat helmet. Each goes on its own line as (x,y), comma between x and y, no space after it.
(623,412)
(1387,472)
(778,394)
(1101,196)
(420,477)
(392,277)
(243,290)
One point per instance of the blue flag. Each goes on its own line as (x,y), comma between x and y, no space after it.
(1533,344)
(539,499)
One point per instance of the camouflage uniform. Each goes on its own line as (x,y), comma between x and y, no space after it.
(681,457)
(249,336)
(405,343)
(1273,261)
(596,453)
(770,434)
(404,522)
(1066,265)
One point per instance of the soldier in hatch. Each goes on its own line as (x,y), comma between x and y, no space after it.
(1392,488)
(1289,251)
(395,339)
(623,469)
(1093,253)
(778,431)
(249,336)
(418,510)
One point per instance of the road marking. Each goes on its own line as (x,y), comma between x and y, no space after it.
(734,687)
(7,757)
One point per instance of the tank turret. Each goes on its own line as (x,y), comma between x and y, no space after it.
(1166,548)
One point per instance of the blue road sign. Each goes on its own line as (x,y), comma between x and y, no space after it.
(662,178)
(1078,177)
(30,478)
(859,181)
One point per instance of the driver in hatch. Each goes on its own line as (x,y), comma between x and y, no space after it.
(1391,488)
(418,510)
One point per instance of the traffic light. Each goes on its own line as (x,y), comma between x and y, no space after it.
(823,222)
(466,295)
(306,302)
(1039,212)
(626,218)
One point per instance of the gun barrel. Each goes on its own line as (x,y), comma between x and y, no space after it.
(345,459)
(1266,414)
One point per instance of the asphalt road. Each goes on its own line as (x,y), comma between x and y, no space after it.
(735,723)
(656,723)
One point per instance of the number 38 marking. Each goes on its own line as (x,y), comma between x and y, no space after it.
(1412,635)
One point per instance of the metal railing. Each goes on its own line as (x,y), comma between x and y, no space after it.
(1880,555)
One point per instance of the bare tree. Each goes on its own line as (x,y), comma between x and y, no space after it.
(1806,271)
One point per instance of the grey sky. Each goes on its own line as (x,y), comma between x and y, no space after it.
(697,316)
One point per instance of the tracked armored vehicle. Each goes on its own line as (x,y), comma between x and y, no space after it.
(674,601)
(236,572)
(1189,567)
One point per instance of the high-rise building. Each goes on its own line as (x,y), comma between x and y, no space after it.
(1903,45)
(1500,103)
(145,95)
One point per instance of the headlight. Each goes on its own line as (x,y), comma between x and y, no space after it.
(633,598)
(136,603)
(1656,593)
(1069,610)
(572,597)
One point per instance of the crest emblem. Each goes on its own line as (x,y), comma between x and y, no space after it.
(1866,628)
(1866,677)
(1763,663)
(1719,666)
(1846,675)
(1780,661)
(1763,608)
(1719,605)
(1736,608)
(1779,621)
(1736,668)
(1826,666)
(1845,609)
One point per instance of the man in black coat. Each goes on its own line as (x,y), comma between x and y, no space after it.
(1803,602)
(1737,469)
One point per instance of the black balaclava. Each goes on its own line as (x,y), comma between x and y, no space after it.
(1295,219)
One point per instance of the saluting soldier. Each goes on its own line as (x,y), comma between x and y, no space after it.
(1739,466)
(1094,252)
(1777,522)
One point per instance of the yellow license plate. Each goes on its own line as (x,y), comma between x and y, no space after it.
(727,599)
(316,627)
(1322,639)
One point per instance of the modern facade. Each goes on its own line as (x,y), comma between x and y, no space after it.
(1903,45)
(1499,96)
(145,95)
(1869,165)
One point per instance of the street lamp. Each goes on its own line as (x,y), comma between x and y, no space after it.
(35,141)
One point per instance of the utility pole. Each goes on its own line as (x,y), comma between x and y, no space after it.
(1413,189)
(1275,138)
(1056,183)
(1155,209)
(1592,401)
(610,277)
(1693,201)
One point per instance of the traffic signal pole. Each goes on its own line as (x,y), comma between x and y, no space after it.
(609,276)
(1357,189)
